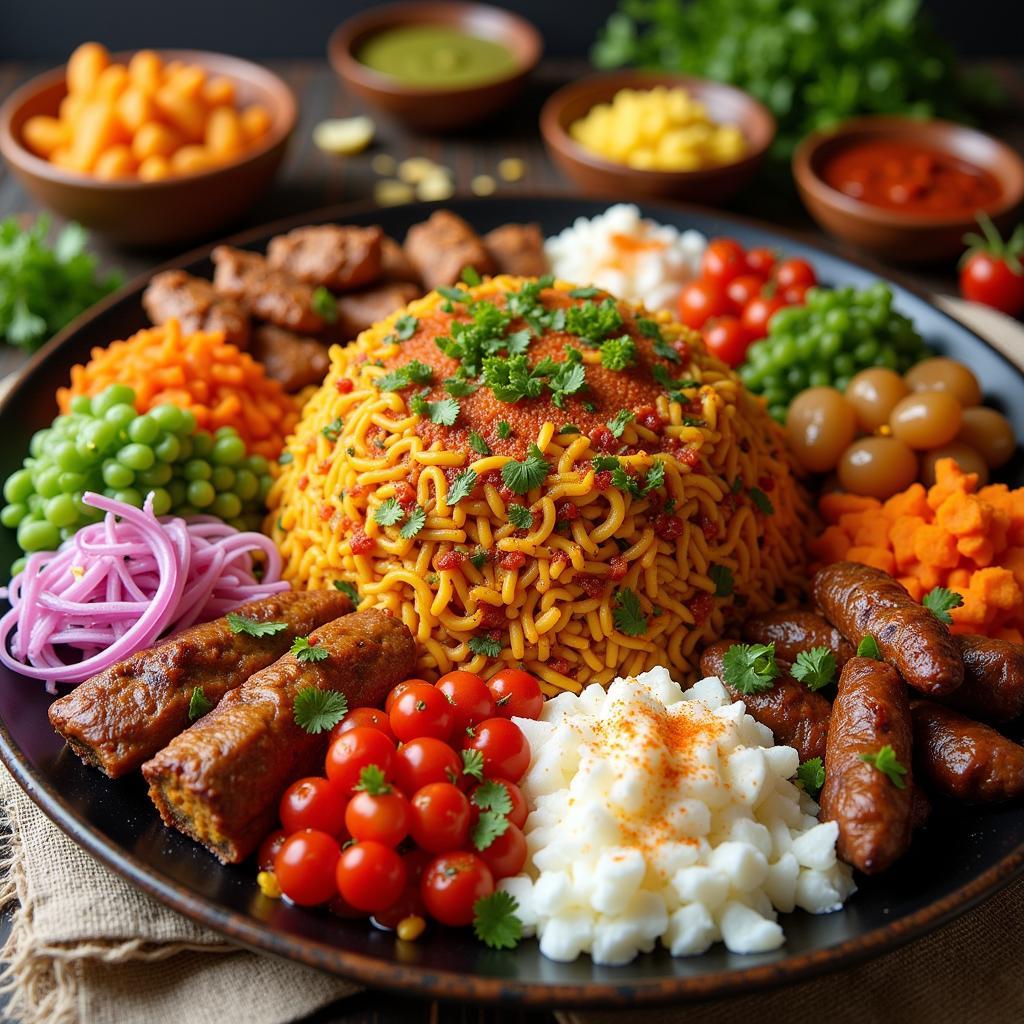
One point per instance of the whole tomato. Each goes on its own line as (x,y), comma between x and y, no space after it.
(451,885)
(723,260)
(516,694)
(795,271)
(758,312)
(305,867)
(991,271)
(727,339)
(370,876)
(700,300)
(505,750)
(760,262)
(742,289)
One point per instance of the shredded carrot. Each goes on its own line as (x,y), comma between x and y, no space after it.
(953,535)
(223,386)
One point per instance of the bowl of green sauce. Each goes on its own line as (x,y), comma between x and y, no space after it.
(437,67)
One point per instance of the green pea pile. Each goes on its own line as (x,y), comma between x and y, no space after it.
(828,340)
(104,445)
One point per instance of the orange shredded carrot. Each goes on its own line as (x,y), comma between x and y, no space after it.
(223,386)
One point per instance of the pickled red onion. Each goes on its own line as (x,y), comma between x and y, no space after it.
(118,585)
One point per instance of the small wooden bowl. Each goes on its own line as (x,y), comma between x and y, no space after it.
(152,213)
(429,109)
(891,234)
(597,176)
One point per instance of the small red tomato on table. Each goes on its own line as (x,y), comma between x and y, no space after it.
(992,270)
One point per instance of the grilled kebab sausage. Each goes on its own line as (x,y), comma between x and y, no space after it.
(874,814)
(195,304)
(964,759)
(796,716)
(220,781)
(125,714)
(339,258)
(993,686)
(796,631)
(861,600)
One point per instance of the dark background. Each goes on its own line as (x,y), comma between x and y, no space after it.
(50,29)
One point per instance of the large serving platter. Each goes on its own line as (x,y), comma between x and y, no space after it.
(963,856)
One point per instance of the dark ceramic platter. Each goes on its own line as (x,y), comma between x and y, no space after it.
(961,857)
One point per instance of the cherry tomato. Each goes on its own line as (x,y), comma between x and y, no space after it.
(382,817)
(408,903)
(469,697)
(795,271)
(723,260)
(520,809)
(421,710)
(451,885)
(516,694)
(370,876)
(422,761)
(313,803)
(992,273)
(268,849)
(742,289)
(507,854)
(397,689)
(440,817)
(727,339)
(795,294)
(700,300)
(371,718)
(305,866)
(504,747)
(760,262)
(352,751)
(758,312)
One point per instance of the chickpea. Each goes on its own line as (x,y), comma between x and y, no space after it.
(820,424)
(942,374)
(877,467)
(926,419)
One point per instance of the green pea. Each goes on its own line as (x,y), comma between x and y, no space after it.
(167,417)
(866,352)
(120,416)
(18,486)
(37,445)
(168,448)
(82,404)
(177,489)
(197,469)
(117,475)
(37,535)
(806,346)
(223,478)
(843,365)
(266,482)
(889,359)
(247,484)
(156,476)
(61,510)
(837,320)
(48,482)
(830,345)
(225,432)
(13,514)
(777,412)
(259,465)
(228,450)
(819,378)
(188,422)
(785,352)
(186,449)
(841,383)
(797,378)
(136,456)
(98,436)
(202,444)
(130,496)
(226,506)
(144,430)
(116,394)
(72,482)
(201,493)
(161,501)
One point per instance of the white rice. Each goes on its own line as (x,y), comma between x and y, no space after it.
(633,258)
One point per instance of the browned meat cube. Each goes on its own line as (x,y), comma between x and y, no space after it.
(195,304)
(443,246)
(517,249)
(359,310)
(339,258)
(268,293)
(394,264)
(294,361)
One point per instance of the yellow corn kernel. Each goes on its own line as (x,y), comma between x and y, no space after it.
(267,881)
(411,928)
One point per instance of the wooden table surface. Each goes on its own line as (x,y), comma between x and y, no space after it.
(311,179)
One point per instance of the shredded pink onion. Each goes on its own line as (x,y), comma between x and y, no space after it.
(117,585)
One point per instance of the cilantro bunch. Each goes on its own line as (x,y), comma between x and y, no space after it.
(43,287)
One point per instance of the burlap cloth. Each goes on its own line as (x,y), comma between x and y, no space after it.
(87,947)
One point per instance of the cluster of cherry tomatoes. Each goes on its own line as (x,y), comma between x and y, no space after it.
(418,812)
(737,293)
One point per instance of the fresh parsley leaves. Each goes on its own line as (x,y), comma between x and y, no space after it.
(454,294)
(585,293)
(478,444)
(811,775)
(626,482)
(473,764)
(940,602)
(405,327)
(349,590)
(324,305)
(461,487)
(414,523)
(815,668)
(504,429)
(459,387)
(479,560)
(484,645)
(333,429)
(618,353)
(628,614)
(761,500)
(489,826)
(520,477)
(306,651)
(492,796)
(405,376)
(445,411)
(675,388)
(512,378)
(868,648)
(317,710)
(495,922)
(520,517)
(470,276)
(885,761)
(721,576)
(253,627)
(662,348)
(750,668)
(198,704)
(617,424)
(592,322)
(388,512)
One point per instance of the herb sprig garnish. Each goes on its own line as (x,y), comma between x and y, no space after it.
(815,668)
(811,775)
(750,668)
(940,602)
(885,761)
(628,615)
(198,704)
(253,627)
(520,477)
(317,710)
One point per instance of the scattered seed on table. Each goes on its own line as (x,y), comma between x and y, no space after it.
(511,168)
(391,192)
(384,164)
(435,186)
(483,185)
(414,169)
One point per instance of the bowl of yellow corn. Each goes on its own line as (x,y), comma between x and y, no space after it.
(636,134)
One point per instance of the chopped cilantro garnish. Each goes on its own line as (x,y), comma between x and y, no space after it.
(568,428)
(675,388)
(405,376)
(661,347)
(459,387)
(750,668)
(252,627)
(868,648)
(520,517)
(198,704)
(618,353)
(628,483)
(333,429)
(454,294)
(306,651)
(592,322)
(490,825)
(388,512)
(461,487)
(504,429)
(761,501)
(605,463)
(413,525)
(617,424)
(585,293)
(478,444)
(495,922)
(348,589)
(492,796)
(721,576)
(628,615)
(885,761)
(520,477)
(511,378)
(405,327)
(479,558)
(940,602)
(317,710)
(324,305)
(485,645)
(811,775)
(444,411)
(815,668)
(470,276)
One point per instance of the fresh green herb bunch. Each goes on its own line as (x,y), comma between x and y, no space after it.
(824,343)
(43,287)
(104,445)
(814,63)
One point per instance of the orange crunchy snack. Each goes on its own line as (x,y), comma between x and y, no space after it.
(222,385)
(954,535)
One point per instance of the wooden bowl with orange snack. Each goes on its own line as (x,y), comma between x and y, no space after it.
(148,148)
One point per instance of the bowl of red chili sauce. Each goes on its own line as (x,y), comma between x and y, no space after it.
(904,189)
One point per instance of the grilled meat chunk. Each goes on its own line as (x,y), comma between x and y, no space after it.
(196,305)
(339,258)
(443,246)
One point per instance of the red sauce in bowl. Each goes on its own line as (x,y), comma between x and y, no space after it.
(910,178)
